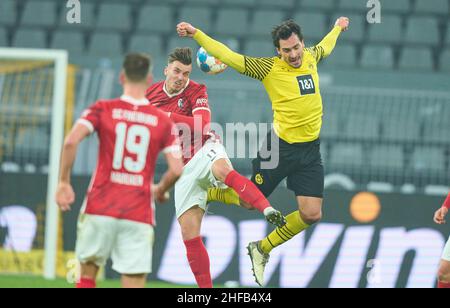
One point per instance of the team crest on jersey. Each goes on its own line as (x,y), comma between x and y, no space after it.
(259,179)
(311,66)
(180,103)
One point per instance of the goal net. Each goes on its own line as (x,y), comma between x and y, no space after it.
(32,116)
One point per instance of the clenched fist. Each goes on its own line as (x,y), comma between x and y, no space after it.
(343,22)
(185,29)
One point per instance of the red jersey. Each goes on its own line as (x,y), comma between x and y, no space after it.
(189,101)
(131,135)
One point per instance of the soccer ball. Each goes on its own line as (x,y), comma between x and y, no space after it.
(208,63)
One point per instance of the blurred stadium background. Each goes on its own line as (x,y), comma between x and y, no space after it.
(386,122)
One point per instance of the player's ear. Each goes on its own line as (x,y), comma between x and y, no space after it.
(165,70)
(122,77)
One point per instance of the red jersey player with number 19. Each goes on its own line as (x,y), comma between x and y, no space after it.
(207,163)
(117,217)
(444,268)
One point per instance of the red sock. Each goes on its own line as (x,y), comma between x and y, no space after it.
(443,285)
(86,283)
(199,262)
(247,191)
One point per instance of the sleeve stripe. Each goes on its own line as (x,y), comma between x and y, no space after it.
(258,68)
(87,124)
(172,149)
(201,108)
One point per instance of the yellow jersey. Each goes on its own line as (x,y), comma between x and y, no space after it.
(294,92)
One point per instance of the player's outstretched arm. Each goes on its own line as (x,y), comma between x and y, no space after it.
(213,47)
(326,46)
(175,169)
(65,195)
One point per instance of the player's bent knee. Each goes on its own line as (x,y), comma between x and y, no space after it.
(221,169)
(311,218)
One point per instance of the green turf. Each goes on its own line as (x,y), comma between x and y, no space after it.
(7,281)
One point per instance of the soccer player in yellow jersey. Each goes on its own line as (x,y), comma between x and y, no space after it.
(292,82)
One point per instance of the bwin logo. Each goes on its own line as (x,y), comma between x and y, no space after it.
(74,14)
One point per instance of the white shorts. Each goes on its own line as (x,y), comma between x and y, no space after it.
(446,254)
(128,243)
(192,188)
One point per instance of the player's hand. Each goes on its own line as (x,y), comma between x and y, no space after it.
(159,195)
(439,216)
(343,22)
(65,196)
(185,29)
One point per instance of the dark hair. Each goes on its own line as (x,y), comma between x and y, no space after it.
(181,54)
(136,66)
(284,31)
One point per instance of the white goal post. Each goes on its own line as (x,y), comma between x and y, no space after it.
(60,60)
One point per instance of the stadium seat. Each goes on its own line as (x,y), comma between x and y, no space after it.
(8,12)
(28,38)
(388,31)
(156,18)
(105,45)
(401,129)
(447,39)
(114,16)
(361,126)
(259,48)
(151,44)
(264,21)
(437,131)
(330,126)
(343,56)
(356,31)
(386,157)
(322,5)
(377,57)
(422,30)
(397,6)
(72,41)
(32,143)
(416,59)
(428,159)
(232,22)
(353,5)
(346,154)
(314,25)
(285,4)
(201,2)
(3,38)
(88,18)
(432,6)
(444,63)
(237,3)
(39,13)
(201,16)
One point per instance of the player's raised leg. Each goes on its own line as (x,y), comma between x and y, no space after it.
(197,255)
(309,213)
(247,191)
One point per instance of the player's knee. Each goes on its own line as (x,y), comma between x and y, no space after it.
(221,169)
(311,218)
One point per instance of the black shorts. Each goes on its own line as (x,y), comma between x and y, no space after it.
(300,163)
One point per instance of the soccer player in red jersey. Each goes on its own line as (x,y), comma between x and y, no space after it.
(206,161)
(444,269)
(118,216)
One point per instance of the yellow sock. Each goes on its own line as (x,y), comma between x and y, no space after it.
(294,226)
(227,196)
